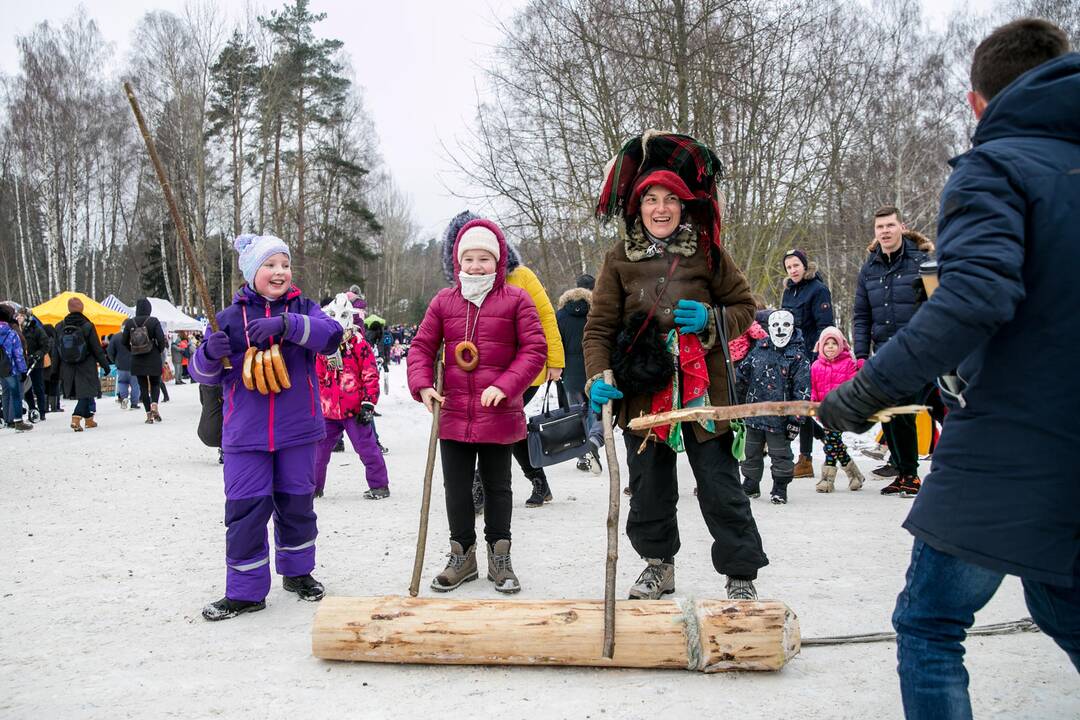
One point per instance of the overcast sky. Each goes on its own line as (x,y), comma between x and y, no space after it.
(416,60)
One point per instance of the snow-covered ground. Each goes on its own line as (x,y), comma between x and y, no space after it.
(114,541)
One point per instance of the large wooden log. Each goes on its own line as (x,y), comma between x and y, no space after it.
(704,635)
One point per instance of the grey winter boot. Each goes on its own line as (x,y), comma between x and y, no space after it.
(827,483)
(655,581)
(855,476)
(500,571)
(460,569)
(740,589)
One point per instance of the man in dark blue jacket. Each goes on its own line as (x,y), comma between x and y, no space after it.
(884,303)
(807,298)
(1003,494)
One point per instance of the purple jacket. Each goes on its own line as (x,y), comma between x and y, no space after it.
(250,420)
(511,347)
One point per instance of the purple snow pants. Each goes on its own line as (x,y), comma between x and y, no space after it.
(364,443)
(258,486)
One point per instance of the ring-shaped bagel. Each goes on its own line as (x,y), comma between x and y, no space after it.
(268,373)
(280,371)
(259,372)
(459,356)
(249,361)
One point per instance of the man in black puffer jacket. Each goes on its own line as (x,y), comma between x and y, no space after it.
(885,301)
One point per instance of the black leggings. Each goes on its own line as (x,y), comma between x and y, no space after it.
(458,461)
(150,387)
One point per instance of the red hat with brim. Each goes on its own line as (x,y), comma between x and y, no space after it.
(663,178)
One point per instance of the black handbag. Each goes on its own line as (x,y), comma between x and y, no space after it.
(557,435)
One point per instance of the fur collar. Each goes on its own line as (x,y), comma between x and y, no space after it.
(811,273)
(682,242)
(922,242)
(574,294)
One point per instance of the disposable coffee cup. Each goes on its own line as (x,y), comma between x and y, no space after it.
(928,271)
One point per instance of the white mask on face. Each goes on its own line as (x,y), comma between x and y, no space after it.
(781,328)
(475,288)
(342,311)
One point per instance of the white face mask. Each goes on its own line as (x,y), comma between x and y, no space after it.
(342,311)
(781,327)
(475,288)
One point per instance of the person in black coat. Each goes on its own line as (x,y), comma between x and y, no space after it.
(79,377)
(38,347)
(146,365)
(1003,493)
(885,301)
(51,374)
(126,385)
(573,311)
(807,298)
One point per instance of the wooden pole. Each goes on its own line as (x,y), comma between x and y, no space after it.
(429,471)
(730,412)
(614,490)
(699,635)
(181,229)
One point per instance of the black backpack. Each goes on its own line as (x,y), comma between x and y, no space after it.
(73,348)
(140,340)
(5,363)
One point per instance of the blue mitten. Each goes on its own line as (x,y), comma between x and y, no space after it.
(691,316)
(260,330)
(601,393)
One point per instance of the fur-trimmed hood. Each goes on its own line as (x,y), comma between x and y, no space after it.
(922,242)
(576,295)
(638,246)
(449,239)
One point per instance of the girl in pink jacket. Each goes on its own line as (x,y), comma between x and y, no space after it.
(348,392)
(834,366)
(495,346)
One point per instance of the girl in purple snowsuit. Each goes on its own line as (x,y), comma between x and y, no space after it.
(269,441)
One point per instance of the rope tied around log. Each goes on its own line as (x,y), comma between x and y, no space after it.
(692,630)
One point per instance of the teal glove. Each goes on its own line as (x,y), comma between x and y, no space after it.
(691,316)
(601,393)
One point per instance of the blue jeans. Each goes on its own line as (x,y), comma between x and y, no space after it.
(85,407)
(125,386)
(12,398)
(934,611)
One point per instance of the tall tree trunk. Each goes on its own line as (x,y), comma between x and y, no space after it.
(299,258)
(165,261)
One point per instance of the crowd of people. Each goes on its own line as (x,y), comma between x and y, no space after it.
(671,317)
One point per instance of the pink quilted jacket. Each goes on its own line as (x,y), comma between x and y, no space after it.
(826,375)
(511,347)
(342,390)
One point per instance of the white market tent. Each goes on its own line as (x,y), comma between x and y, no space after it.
(171,318)
(114,303)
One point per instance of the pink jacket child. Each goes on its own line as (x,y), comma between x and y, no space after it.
(825,374)
(348,392)
(494,347)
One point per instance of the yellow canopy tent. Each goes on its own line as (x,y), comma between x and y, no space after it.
(105,320)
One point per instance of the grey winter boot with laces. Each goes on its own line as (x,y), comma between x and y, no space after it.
(655,581)
(500,570)
(740,589)
(461,568)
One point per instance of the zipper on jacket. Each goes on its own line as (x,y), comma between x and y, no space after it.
(270,434)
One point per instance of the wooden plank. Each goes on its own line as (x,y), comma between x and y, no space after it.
(803,408)
(704,635)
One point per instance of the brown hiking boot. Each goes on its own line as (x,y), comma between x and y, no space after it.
(90,422)
(76,423)
(500,571)
(460,569)
(804,468)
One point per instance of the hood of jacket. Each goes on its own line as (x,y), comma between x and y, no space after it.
(500,268)
(577,301)
(917,239)
(1043,102)
(142,307)
(449,247)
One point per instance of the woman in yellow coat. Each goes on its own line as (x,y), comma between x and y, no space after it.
(519,276)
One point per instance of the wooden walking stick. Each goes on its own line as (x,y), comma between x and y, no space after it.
(181,230)
(425,504)
(614,488)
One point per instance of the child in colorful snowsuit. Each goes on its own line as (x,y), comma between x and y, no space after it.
(776,369)
(481,319)
(349,390)
(835,365)
(269,441)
